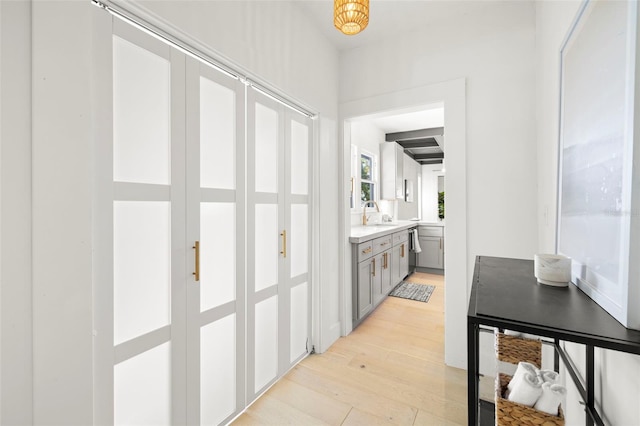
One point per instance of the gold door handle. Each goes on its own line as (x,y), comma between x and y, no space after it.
(283,234)
(402,250)
(386,260)
(367,250)
(374,266)
(196,274)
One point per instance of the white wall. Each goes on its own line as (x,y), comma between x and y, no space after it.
(493,50)
(616,373)
(46,162)
(367,136)
(15,214)
(430,173)
(62,217)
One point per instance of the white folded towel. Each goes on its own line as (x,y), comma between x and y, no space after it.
(416,243)
(551,398)
(523,368)
(549,376)
(527,390)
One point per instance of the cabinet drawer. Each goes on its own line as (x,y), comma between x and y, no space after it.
(400,237)
(365,250)
(430,231)
(381,244)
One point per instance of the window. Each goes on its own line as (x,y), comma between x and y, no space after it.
(367,178)
(364,178)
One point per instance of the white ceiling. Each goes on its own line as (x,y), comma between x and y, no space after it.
(389,17)
(425,119)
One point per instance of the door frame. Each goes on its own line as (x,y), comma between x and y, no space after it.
(452,95)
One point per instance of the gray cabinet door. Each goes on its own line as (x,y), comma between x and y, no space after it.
(385,269)
(365,276)
(404,260)
(432,253)
(377,279)
(396,270)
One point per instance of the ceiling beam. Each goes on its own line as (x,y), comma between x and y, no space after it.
(430,161)
(418,143)
(429,156)
(414,134)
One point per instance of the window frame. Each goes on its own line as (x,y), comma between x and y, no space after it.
(356,177)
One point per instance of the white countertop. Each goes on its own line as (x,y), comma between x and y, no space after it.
(361,233)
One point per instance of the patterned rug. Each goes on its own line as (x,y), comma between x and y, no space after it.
(413,291)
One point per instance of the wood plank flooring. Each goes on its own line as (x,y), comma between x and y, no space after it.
(389,371)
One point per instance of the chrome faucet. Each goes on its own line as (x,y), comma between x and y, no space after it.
(364,211)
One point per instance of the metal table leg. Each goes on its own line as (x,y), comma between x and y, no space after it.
(473,362)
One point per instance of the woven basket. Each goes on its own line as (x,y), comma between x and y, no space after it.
(510,413)
(514,349)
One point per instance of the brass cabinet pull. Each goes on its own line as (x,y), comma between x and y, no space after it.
(402,247)
(374,266)
(367,250)
(196,274)
(386,260)
(283,234)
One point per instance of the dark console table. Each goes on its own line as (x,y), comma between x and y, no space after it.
(506,295)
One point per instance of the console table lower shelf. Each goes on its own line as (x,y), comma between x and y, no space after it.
(506,295)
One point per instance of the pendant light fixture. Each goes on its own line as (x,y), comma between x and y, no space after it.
(350,16)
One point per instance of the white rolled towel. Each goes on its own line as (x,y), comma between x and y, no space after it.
(416,241)
(551,398)
(527,390)
(549,376)
(523,368)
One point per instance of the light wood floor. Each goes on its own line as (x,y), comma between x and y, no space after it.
(389,370)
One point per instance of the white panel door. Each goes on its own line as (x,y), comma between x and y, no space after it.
(278,240)
(215,219)
(298,150)
(139,287)
(202,275)
(266,240)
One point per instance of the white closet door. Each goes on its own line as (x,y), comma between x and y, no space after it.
(266,239)
(175,171)
(215,211)
(278,236)
(145,280)
(298,160)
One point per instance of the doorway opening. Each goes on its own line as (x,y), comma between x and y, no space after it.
(451,97)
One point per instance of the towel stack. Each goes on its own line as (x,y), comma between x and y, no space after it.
(536,388)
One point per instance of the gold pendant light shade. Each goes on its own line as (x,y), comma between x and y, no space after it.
(350,16)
